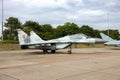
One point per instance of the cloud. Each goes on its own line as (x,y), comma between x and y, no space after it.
(93,12)
(56,12)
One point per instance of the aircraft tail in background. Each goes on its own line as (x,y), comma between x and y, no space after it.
(105,37)
(23,37)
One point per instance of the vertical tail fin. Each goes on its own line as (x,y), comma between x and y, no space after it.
(35,38)
(23,37)
(105,37)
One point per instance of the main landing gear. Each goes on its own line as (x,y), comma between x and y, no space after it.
(70,50)
(46,51)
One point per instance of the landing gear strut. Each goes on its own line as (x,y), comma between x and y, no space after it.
(70,50)
(44,51)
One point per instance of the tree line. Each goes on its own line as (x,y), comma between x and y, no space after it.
(47,31)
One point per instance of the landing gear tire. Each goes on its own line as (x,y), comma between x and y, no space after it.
(24,47)
(44,51)
(53,51)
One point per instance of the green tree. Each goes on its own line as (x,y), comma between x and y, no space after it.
(97,33)
(67,29)
(47,31)
(46,28)
(6,34)
(12,24)
(31,25)
(85,29)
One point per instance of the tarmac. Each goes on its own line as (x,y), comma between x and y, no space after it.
(82,64)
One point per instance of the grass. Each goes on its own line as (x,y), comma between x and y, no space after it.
(14,46)
(9,46)
(87,45)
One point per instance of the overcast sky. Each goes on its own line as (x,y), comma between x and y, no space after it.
(56,12)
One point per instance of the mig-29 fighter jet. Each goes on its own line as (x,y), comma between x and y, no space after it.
(34,41)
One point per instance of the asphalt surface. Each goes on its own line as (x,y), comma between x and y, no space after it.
(82,64)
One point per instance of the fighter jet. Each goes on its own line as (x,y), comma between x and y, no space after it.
(110,41)
(34,41)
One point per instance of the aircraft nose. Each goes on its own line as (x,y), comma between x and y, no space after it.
(98,40)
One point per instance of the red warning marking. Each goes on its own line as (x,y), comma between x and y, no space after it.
(23,36)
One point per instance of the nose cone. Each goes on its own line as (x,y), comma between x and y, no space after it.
(98,40)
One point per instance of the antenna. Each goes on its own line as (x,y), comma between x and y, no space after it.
(2,17)
(108,23)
